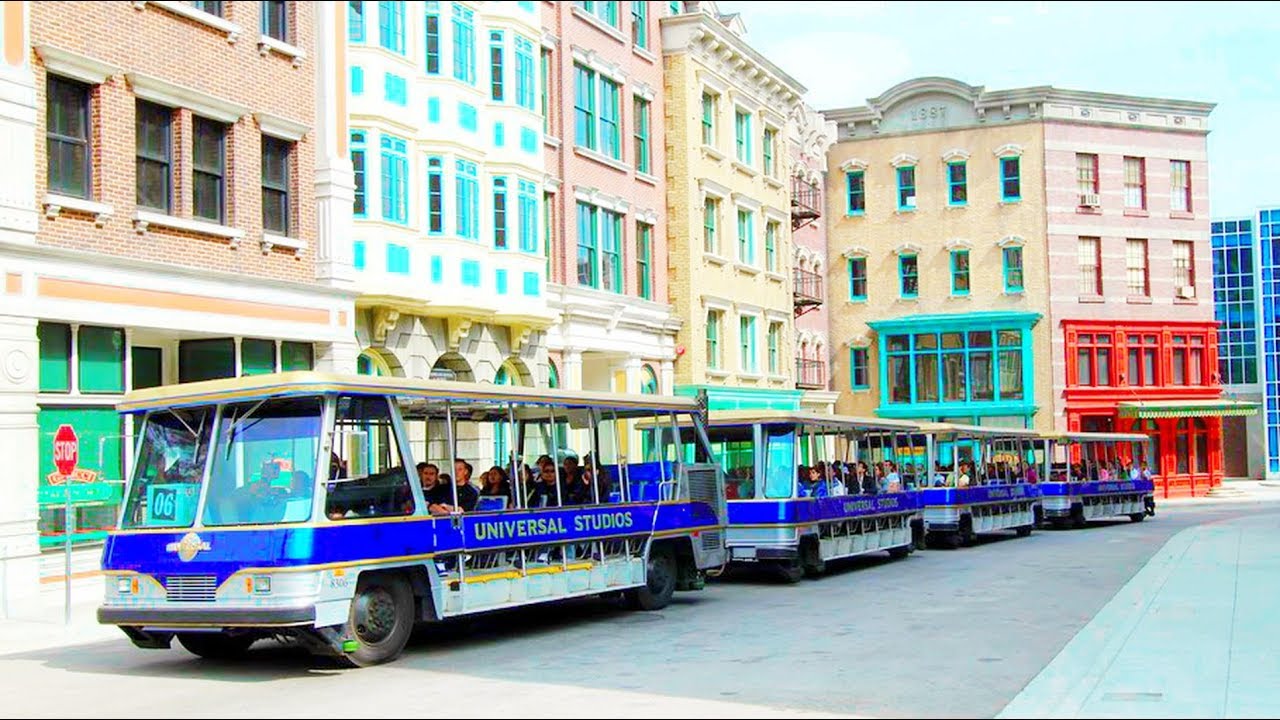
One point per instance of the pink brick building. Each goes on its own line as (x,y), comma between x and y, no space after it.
(811,136)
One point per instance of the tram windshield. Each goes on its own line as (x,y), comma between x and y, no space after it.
(170,468)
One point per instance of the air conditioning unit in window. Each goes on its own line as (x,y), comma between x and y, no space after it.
(910,201)
(1090,200)
(1186,291)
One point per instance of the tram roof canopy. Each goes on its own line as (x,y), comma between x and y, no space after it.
(1158,409)
(978,431)
(804,417)
(1095,437)
(289,384)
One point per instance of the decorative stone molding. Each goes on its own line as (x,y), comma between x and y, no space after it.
(958,244)
(600,199)
(144,219)
(856,251)
(746,201)
(599,63)
(955,155)
(907,248)
(164,92)
(279,127)
(551,183)
(853,165)
(458,329)
(519,337)
(1011,241)
(713,188)
(383,321)
(270,241)
(189,11)
(1009,150)
(75,66)
(266,44)
(904,160)
(55,204)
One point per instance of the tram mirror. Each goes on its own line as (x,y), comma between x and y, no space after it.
(357,454)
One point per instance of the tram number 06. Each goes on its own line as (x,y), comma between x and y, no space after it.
(164,504)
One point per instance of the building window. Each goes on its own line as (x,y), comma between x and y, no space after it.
(770,138)
(1010,178)
(548,226)
(1087,178)
(67,137)
(644,260)
(907,188)
(857,192)
(746,237)
(391,26)
(959,272)
(464,44)
(155,156)
(397,259)
(642,132)
(1137,279)
(524,73)
(395,178)
(1093,360)
(496,86)
(435,195)
(358,150)
(584,107)
(275,19)
(1184,269)
(610,116)
(355,21)
(500,213)
(1135,183)
(955,366)
(1180,186)
(1235,301)
(771,246)
(957,183)
(709,110)
(395,89)
(213,7)
(747,339)
(1089,262)
(588,242)
(742,136)
(640,24)
(908,276)
(710,216)
(545,69)
(859,377)
(713,339)
(431,42)
(357,80)
(1143,350)
(468,200)
(1013,270)
(858,279)
(611,251)
(1187,360)
(208,162)
(528,217)
(775,347)
(606,11)
(275,185)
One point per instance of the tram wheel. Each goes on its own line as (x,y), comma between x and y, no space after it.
(216,646)
(814,565)
(380,620)
(660,581)
(792,571)
(1023,531)
(952,540)
(1137,517)
(1077,517)
(897,553)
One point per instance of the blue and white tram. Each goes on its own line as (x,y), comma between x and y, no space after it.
(1094,476)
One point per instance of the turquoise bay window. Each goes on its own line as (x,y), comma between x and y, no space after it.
(908,276)
(528,217)
(391,26)
(742,136)
(1010,178)
(858,279)
(431,38)
(1013,270)
(959,272)
(468,196)
(395,177)
(464,44)
(437,269)
(587,245)
(907,188)
(584,107)
(524,73)
(961,365)
(856,191)
(610,119)
(433,110)
(358,150)
(500,213)
(957,183)
(859,374)
(355,21)
(435,195)
(497,52)
(746,237)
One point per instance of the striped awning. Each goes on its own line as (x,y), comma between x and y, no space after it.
(1157,409)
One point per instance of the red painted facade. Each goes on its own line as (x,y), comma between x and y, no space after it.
(1109,362)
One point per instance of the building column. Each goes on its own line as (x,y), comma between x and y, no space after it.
(20,446)
(667,377)
(334,179)
(337,357)
(572,379)
(632,370)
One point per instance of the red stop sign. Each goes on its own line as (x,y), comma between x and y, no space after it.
(66,450)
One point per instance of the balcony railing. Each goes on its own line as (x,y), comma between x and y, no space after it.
(806,203)
(807,292)
(811,374)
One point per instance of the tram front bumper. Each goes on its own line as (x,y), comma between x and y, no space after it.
(207,617)
(754,553)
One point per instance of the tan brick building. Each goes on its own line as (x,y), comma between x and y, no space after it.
(182,162)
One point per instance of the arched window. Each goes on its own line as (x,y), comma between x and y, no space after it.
(553,375)
(648,381)
(1201,445)
(371,363)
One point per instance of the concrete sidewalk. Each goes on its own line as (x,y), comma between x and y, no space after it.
(1192,634)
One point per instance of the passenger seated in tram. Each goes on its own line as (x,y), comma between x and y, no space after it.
(964,478)
(572,470)
(892,481)
(862,480)
(544,492)
(494,483)
(583,489)
(1029,474)
(835,479)
(939,477)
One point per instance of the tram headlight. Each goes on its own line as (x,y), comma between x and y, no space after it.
(261,584)
(123,586)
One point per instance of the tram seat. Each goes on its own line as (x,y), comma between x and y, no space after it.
(643,479)
(491,503)
(615,497)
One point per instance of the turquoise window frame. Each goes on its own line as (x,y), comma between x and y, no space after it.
(431,39)
(746,237)
(435,195)
(904,276)
(610,114)
(710,217)
(675,8)
(854,264)
(771,228)
(644,260)
(529,140)
(360,170)
(859,366)
(464,44)
(358,254)
(748,357)
(357,80)
(468,199)
(397,259)
(468,117)
(584,107)
(1006,178)
(907,188)
(768,140)
(532,284)
(497,65)
(528,200)
(355,21)
(773,350)
(742,136)
(643,158)
(526,89)
(961,273)
(395,179)
(1006,255)
(708,118)
(640,24)
(433,110)
(437,269)
(500,239)
(588,271)
(391,26)
(395,89)
(855,183)
(499,135)
(470,273)
(957,180)
(611,240)
(500,281)
(714,319)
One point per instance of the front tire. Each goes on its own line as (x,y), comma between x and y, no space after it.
(380,620)
(1023,531)
(660,581)
(901,551)
(1078,520)
(791,571)
(1138,517)
(216,646)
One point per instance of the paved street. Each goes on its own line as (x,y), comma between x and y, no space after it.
(939,634)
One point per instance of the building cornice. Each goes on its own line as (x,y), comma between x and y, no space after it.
(701,36)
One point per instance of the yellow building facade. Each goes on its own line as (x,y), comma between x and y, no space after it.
(728,207)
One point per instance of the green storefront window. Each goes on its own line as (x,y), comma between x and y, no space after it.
(297,356)
(96,487)
(55,357)
(101,359)
(257,357)
(146,367)
(206,359)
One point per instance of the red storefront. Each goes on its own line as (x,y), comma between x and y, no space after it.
(1158,378)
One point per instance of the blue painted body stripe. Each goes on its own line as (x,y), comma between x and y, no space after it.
(809,510)
(1062,489)
(934,497)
